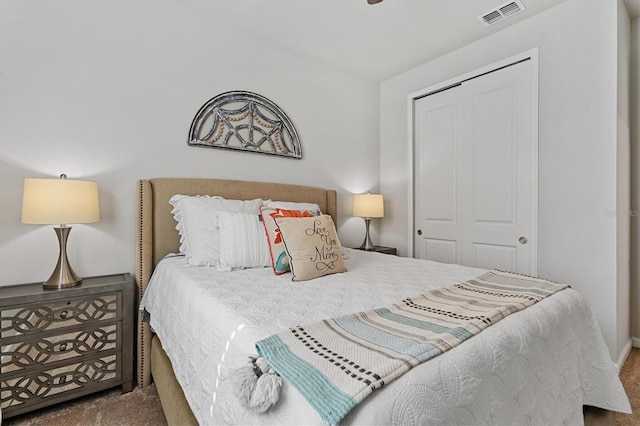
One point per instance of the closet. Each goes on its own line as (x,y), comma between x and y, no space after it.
(475,171)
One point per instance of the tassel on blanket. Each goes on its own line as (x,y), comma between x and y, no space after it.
(256,385)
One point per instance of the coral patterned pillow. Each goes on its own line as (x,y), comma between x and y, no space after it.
(279,257)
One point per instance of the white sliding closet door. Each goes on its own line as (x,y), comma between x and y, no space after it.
(474,178)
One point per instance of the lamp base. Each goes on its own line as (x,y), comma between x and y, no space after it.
(367,244)
(63,275)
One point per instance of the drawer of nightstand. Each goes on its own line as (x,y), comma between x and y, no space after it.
(53,314)
(36,351)
(50,383)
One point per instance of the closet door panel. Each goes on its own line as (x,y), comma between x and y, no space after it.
(474,172)
(437,161)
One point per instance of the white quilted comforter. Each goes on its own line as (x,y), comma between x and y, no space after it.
(538,366)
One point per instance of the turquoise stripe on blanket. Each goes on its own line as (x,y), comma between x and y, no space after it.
(337,363)
(399,344)
(458,332)
(330,402)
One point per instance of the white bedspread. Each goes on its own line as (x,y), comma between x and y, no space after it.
(538,366)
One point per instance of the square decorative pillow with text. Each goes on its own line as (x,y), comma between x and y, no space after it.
(312,245)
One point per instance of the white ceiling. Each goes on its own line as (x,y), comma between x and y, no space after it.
(372,41)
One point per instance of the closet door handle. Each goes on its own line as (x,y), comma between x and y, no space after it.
(419,231)
(523,240)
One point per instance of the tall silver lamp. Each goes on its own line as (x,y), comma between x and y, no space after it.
(60,202)
(368,206)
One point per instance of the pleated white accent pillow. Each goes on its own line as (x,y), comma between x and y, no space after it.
(243,243)
(198,225)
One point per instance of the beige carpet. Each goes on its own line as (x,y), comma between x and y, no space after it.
(630,377)
(142,407)
(106,408)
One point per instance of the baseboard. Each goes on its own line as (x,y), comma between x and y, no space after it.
(625,353)
(636,342)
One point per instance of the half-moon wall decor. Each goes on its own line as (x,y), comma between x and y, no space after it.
(244,121)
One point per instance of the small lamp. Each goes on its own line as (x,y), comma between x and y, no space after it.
(368,206)
(60,201)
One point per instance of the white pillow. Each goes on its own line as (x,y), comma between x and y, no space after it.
(243,243)
(198,224)
(287,205)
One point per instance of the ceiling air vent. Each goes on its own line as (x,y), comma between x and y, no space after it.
(501,12)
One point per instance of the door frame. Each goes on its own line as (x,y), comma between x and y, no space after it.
(531,55)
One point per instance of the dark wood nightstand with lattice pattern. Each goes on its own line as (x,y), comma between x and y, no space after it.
(57,345)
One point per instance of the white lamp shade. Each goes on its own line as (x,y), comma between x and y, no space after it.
(60,201)
(368,205)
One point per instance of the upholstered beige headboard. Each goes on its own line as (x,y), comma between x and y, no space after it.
(157,235)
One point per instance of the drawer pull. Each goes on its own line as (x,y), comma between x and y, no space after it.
(64,314)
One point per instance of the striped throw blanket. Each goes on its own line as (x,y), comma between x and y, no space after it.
(337,363)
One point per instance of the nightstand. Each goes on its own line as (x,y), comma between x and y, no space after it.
(57,345)
(381,249)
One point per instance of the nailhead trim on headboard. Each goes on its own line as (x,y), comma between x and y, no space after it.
(144,333)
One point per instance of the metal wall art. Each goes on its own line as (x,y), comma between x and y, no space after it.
(244,121)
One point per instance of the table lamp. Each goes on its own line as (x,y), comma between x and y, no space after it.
(60,201)
(368,206)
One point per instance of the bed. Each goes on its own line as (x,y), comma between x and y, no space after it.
(539,366)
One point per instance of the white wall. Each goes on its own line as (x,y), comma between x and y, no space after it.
(577,43)
(635,178)
(623,206)
(107,91)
